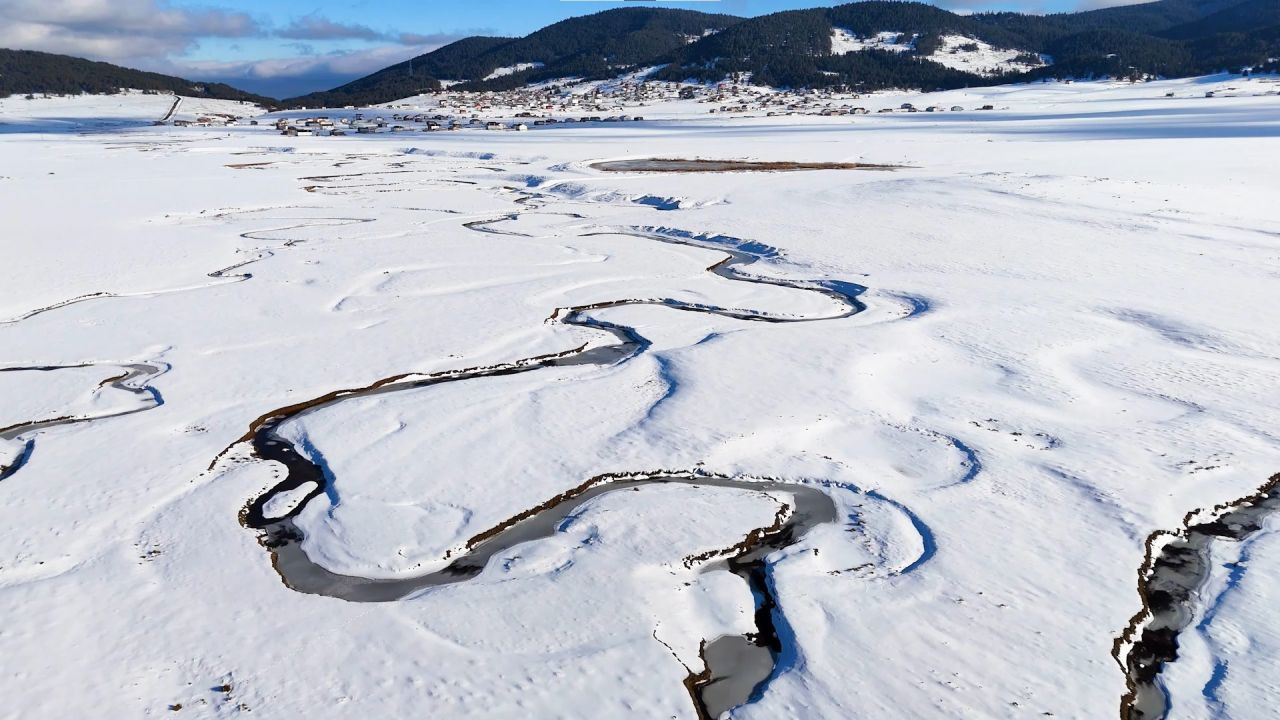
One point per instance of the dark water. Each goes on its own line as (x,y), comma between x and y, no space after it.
(738,667)
(133,380)
(1170,589)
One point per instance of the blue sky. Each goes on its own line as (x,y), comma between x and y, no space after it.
(288,47)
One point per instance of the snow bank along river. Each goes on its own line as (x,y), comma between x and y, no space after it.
(734,670)
(515,434)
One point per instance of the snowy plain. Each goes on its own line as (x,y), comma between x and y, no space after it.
(1069,341)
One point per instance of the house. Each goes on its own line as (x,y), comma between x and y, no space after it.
(493,125)
(956,108)
(859,111)
(520,127)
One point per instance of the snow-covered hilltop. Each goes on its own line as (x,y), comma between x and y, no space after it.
(958,52)
(981,58)
(843,42)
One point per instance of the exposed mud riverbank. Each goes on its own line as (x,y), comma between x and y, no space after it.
(1177,566)
(675,165)
(134,379)
(735,667)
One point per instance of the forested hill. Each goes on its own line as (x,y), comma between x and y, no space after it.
(591,47)
(864,45)
(26,71)
(835,46)
(1168,38)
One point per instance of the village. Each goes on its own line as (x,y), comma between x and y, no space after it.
(575,102)
(631,98)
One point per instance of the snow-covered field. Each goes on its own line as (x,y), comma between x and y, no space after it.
(1065,340)
(108,112)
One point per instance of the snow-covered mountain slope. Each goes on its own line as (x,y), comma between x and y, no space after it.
(844,41)
(512,70)
(980,58)
(958,52)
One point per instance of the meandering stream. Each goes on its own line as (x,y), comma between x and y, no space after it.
(736,668)
(133,380)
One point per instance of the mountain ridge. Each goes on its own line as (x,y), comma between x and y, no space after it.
(25,72)
(868,45)
(589,46)
(794,48)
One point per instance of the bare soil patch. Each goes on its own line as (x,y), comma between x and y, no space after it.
(675,165)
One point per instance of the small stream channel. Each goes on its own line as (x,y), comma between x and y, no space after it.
(737,668)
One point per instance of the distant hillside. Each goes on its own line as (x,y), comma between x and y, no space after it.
(26,71)
(795,48)
(864,45)
(411,77)
(592,46)
(1247,17)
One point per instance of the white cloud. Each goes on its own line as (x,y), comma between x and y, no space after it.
(348,62)
(314,27)
(151,17)
(155,35)
(115,30)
